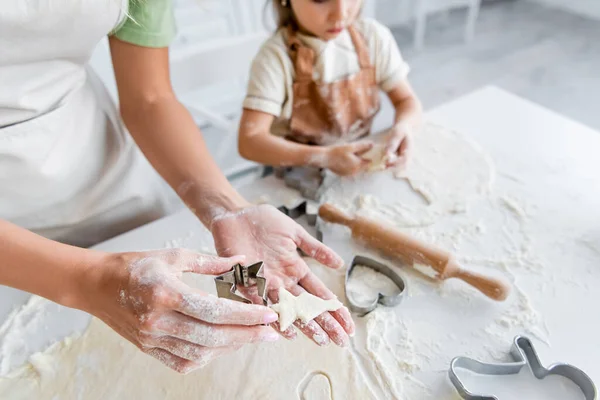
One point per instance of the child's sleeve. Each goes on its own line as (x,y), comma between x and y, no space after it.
(389,64)
(267,82)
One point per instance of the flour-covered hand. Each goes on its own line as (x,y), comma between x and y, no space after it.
(399,145)
(263,233)
(141,296)
(346,160)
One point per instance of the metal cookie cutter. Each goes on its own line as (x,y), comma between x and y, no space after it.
(386,300)
(307,180)
(308,208)
(239,275)
(523,353)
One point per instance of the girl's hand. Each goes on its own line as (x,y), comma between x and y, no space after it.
(141,297)
(399,145)
(345,159)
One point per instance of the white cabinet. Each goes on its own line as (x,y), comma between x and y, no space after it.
(211,22)
(399,12)
(393,12)
(204,27)
(210,60)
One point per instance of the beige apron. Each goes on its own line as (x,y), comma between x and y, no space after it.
(68,168)
(328,113)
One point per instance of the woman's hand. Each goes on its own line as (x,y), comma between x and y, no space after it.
(345,159)
(399,145)
(141,296)
(263,233)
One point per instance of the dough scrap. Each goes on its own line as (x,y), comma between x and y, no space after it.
(304,307)
(377,157)
(316,385)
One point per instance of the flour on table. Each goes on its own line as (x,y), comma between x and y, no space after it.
(513,206)
(520,314)
(365,284)
(305,307)
(12,340)
(394,358)
(444,197)
(20,332)
(590,243)
(397,214)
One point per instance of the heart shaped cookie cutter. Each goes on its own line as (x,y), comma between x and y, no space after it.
(383,299)
(524,354)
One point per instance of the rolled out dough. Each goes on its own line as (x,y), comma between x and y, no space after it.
(304,307)
(101,365)
(446,173)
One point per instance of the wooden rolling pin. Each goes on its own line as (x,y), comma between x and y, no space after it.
(394,243)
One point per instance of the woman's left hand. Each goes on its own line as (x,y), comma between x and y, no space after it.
(263,233)
(399,145)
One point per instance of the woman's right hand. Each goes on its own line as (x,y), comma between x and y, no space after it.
(141,296)
(345,159)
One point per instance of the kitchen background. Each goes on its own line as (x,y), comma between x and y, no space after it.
(547,51)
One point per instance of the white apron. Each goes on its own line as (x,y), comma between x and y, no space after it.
(68,169)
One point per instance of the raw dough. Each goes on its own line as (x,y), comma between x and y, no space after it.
(315,386)
(101,365)
(304,307)
(377,157)
(445,174)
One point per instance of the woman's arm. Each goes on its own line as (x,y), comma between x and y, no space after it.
(256,143)
(166,132)
(136,294)
(170,139)
(50,269)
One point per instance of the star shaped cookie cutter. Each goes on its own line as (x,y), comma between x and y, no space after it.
(523,353)
(228,283)
(308,208)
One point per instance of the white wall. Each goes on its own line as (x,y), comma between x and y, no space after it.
(588,8)
(209,22)
(393,12)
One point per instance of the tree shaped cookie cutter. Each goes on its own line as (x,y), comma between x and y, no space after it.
(523,353)
(228,283)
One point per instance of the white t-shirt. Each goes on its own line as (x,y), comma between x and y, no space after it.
(270,88)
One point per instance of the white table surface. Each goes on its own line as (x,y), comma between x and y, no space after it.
(557,168)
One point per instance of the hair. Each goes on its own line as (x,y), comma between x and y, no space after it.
(284,15)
